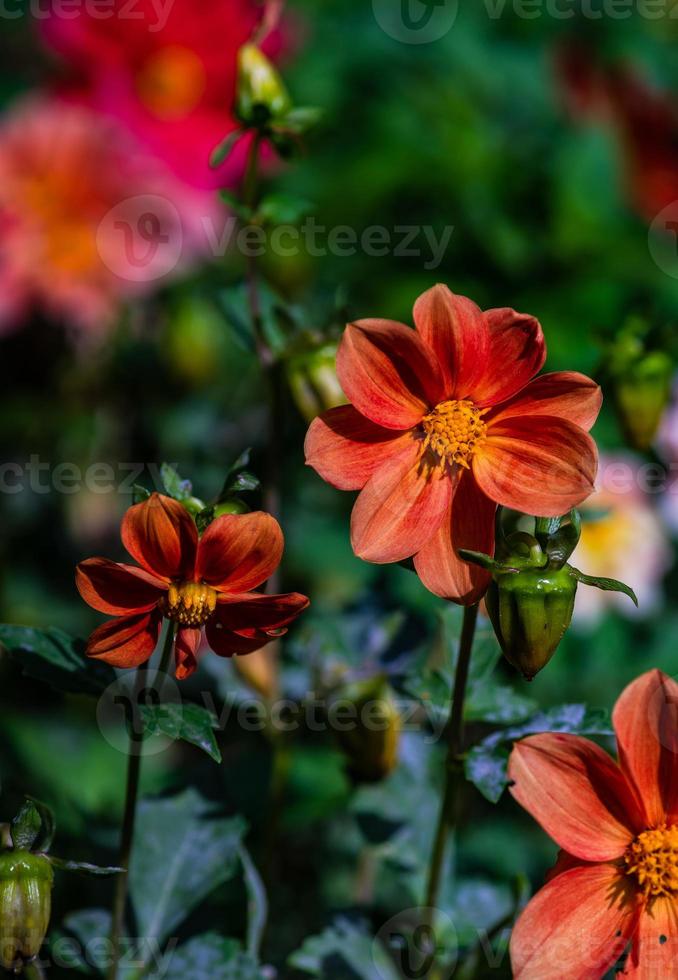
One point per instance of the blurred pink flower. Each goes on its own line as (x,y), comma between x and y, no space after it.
(624,538)
(86,218)
(167,69)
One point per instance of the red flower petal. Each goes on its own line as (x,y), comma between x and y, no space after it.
(226,643)
(563,395)
(388,373)
(127,641)
(577,793)
(117,589)
(399,510)
(646,722)
(537,465)
(185,651)
(458,334)
(260,612)
(345,448)
(238,552)
(160,535)
(469,524)
(654,955)
(576,927)
(517,354)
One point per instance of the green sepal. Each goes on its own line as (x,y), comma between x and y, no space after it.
(33,827)
(139,494)
(221,152)
(82,867)
(485,561)
(205,517)
(558,537)
(605,584)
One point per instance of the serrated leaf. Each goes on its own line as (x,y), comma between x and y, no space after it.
(486,764)
(606,584)
(82,867)
(220,153)
(174,485)
(187,722)
(51,656)
(211,957)
(182,852)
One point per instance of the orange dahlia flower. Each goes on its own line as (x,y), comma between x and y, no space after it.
(616,880)
(446,422)
(194,582)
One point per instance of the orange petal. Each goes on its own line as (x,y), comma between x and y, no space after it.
(185,652)
(538,465)
(345,448)
(646,722)
(125,642)
(563,394)
(160,535)
(260,612)
(388,373)
(469,524)
(577,793)
(517,354)
(238,552)
(654,955)
(458,334)
(399,510)
(576,927)
(117,589)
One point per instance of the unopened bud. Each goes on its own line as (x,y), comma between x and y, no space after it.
(25,906)
(312,377)
(371,744)
(642,393)
(261,92)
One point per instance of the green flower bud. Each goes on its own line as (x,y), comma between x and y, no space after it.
(25,905)
(232,506)
(370,741)
(261,95)
(642,393)
(531,611)
(312,377)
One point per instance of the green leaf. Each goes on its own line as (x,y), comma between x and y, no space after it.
(82,867)
(282,209)
(173,484)
(342,951)
(233,305)
(300,120)
(211,957)
(55,658)
(205,518)
(605,584)
(257,904)
(139,494)
(236,205)
(187,722)
(486,763)
(238,478)
(182,852)
(222,151)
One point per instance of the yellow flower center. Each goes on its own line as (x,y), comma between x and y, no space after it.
(189,603)
(453,432)
(653,860)
(172,82)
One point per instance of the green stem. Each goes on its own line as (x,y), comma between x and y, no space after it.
(136,738)
(449,810)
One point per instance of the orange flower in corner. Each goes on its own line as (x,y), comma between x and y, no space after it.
(616,880)
(194,582)
(446,422)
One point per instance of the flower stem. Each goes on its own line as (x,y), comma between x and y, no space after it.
(136,737)
(455,740)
